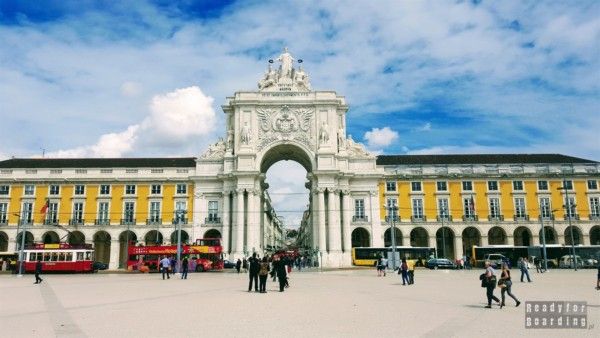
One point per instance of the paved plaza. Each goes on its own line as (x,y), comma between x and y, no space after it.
(337,303)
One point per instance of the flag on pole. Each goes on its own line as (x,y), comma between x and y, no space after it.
(45,207)
(472,205)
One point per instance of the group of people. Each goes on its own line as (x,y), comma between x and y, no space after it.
(407,269)
(168,266)
(490,281)
(259,270)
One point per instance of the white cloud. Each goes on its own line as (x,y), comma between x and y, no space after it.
(425,127)
(380,137)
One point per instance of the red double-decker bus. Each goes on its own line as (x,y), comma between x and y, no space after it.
(61,257)
(205,255)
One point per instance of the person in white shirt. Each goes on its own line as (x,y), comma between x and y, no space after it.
(384,265)
(165,263)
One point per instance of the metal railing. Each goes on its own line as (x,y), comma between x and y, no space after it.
(128,221)
(183,220)
(103,221)
(422,218)
(496,218)
(360,218)
(153,221)
(522,218)
(76,221)
(445,218)
(212,220)
(467,218)
(388,219)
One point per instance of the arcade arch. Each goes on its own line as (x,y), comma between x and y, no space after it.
(123,237)
(577,235)
(212,233)
(497,236)
(522,236)
(50,237)
(76,238)
(28,239)
(185,238)
(387,237)
(3,241)
(153,237)
(102,242)
(595,235)
(445,243)
(470,236)
(360,237)
(550,235)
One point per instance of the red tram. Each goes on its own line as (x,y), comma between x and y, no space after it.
(61,257)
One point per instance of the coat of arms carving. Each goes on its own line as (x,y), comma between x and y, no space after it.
(285,124)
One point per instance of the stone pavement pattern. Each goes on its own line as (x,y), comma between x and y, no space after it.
(343,303)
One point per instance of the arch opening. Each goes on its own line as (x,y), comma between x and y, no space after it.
(595,235)
(576,238)
(102,241)
(419,237)
(522,236)
(3,241)
(470,237)
(50,237)
(497,236)
(185,237)
(76,238)
(445,242)
(360,238)
(387,237)
(212,233)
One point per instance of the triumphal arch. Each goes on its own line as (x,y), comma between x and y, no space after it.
(285,119)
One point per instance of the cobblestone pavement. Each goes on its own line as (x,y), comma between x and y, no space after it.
(339,303)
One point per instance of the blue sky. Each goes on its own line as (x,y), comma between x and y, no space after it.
(420,76)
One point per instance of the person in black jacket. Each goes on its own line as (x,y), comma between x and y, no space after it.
(184,268)
(281,273)
(254,268)
(38,270)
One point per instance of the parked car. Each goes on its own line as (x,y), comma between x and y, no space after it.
(99,266)
(566,261)
(496,260)
(227,264)
(440,263)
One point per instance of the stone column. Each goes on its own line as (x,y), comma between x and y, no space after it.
(376,232)
(239,224)
(321,215)
(433,243)
(113,262)
(346,221)
(226,225)
(484,240)
(334,221)
(458,247)
(252,228)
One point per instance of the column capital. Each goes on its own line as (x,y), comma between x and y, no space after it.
(239,190)
(319,190)
(345,192)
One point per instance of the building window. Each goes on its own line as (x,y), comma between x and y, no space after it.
(156,171)
(4,190)
(52,213)
(81,171)
(545,211)
(3,213)
(130,189)
(595,207)
(592,185)
(213,211)
(442,186)
(415,186)
(103,212)
(29,190)
(494,207)
(568,185)
(392,209)
(104,189)
(417,206)
(467,186)
(79,189)
(106,171)
(518,185)
(77,212)
(443,208)
(469,207)
(390,186)
(181,189)
(543,185)
(27,213)
(155,189)
(571,207)
(154,211)
(492,185)
(520,207)
(54,189)
(359,209)
(129,212)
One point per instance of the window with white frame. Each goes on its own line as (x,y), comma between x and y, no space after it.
(494,207)
(27,212)
(545,211)
(54,189)
(417,208)
(442,186)
(467,186)
(415,186)
(568,184)
(518,185)
(443,210)
(390,186)
(29,190)
(129,210)
(103,213)
(571,207)
(181,189)
(180,210)
(154,211)
(77,212)
(520,207)
(79,189)
(213,211)
(469,207)
(130,189)
(594,207)
(156,189)
(359,209)
(104,189)
(4,190)
(592,185)
(543,185)
(3,213)
(392,208)
(52,213)
(492,185)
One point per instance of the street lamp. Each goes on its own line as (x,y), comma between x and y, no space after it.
(21,255)
(568,208)
(443,214)
(128,221)
(543,238)
(180,213)
(391,214)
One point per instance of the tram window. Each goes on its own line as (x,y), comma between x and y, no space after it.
(39,256)
(32,256)
(88,256)
(69,257)
(61,257)
(47,257)
(54,256)
(80,256)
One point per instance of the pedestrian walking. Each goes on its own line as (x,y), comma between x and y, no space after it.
(404,271)
(173,265)
(489,282)
(254,268)
(505,285)
(524,266)
(238,265)
(411,271)
(165,264)
(184,268)
(281,274)
(38,271)
(384,265)
(263,272)
(598,282)
(538,266)
(245,264)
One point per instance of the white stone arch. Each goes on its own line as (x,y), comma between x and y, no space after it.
(285,150)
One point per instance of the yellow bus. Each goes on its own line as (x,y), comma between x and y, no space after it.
(366,256)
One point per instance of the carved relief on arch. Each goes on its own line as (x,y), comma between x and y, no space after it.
(284,124)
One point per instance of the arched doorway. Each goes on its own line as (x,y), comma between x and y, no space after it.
(470,237)
(550,235)
(185,238)
(102,246)
(28,239)
(497,236)
(153,237)
(50,237)
(212,233)
(76,238)
(419,237)
(3,241)
(445,243)
(387,237)
(360,238)
(123,237)
(595,235)
(522,236)
(577,236)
